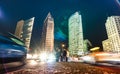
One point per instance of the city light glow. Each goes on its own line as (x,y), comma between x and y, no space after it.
(51,58)
(29,56)
(43,56)
(88,59)
(33,62)
(102,57)
(35,56)
(63,45)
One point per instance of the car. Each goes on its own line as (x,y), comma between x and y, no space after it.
(12,49)
(102,57)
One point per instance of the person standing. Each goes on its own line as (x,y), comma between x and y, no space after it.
(65,55)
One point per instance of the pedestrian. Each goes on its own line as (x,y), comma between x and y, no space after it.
(65,55)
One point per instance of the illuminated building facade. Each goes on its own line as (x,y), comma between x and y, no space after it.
(47,40)
(76,46)
(107,45)
(19,28)
(24,30)
(113,32)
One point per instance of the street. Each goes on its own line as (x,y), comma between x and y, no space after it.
(36,67)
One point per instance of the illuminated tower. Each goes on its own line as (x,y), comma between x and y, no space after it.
(47,40)
(112,44)
(24,30)
(75,35)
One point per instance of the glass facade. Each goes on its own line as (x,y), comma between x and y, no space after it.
(75,35)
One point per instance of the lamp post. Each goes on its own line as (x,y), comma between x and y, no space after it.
(63,45)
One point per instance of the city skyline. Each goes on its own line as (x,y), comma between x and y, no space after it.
(94,16)
(60,36)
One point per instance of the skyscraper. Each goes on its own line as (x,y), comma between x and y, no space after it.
(113,32)
(24,30)
(47,40)
(76,35)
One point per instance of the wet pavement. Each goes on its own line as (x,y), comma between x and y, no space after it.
(64,68)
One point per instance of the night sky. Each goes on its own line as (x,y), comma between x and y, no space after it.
(94,14)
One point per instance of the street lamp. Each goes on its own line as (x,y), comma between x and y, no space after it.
(63,45)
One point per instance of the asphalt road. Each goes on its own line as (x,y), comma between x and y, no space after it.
(6,67)
(33,67)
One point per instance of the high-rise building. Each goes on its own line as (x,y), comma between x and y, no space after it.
(47,39)
(107,45)
(113,32)
(76,46)
(24,30)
